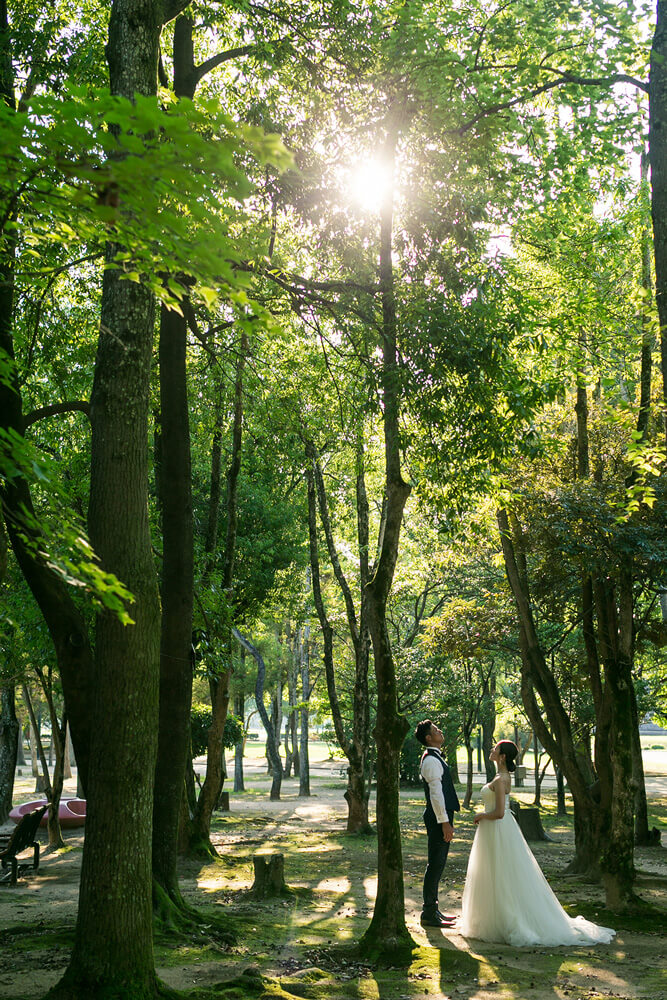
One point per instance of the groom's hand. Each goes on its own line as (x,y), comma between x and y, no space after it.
(447,832)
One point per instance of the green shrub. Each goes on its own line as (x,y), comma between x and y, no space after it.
(200,721)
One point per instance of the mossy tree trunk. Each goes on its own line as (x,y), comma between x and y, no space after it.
(113,948)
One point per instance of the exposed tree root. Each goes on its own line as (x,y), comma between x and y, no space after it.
(386,949)
(201,849)
(73,987)
(174,917)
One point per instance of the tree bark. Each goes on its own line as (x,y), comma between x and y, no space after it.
(561,808)
(176,660)
(387,933)
(658,159)
(239,711)
(274,756)
(113,948)
(591,819)
(356,748)
(304,662)
(212,786)
(9,737)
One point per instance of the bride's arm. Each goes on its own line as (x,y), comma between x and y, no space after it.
(499,811)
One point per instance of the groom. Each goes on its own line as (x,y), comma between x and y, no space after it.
(441,804)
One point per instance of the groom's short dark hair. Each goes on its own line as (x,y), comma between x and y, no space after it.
(422,731)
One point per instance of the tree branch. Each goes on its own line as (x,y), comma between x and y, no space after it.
(221,57)
(563,80)
(80,405)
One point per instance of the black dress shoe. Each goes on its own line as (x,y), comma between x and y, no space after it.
(433,920)
(448,918)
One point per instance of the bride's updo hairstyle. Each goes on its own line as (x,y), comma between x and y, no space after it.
(509,750)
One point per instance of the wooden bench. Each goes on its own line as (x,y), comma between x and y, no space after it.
(22,839)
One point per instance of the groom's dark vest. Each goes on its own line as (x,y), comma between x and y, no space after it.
(448,791)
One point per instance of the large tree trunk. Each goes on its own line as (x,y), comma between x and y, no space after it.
(387,933)
(617,861)
(113,949)
(177,601)
(658,160)
(9,736)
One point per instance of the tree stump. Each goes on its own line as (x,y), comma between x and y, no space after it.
(529,822)
(223,802)
(269,876)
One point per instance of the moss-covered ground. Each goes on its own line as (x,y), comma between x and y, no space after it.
(303,945)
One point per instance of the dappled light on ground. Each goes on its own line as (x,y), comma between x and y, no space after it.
(302,944)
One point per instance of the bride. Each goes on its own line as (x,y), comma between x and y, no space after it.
(506,897)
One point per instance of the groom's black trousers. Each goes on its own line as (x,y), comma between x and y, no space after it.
(438,849)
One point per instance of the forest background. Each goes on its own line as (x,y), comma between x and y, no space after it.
(333,357)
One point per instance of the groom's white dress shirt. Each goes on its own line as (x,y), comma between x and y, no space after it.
(431,770)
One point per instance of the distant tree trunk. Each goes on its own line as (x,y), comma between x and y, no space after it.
(213,782)
(20,756)
(276,763)
(467,742)
(356,748)
(9,738)
(67,755)
(34,761)
(58,737)
(642,833)
(239,710)
(304,762)
(591,817)
(561,808)
(276,725)
(488,720)
(450,750)
(291,747)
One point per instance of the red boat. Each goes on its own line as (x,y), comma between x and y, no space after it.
(72,812)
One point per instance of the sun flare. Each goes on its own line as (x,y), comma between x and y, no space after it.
(369,183)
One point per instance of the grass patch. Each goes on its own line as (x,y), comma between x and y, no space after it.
(643,918)
(28,937)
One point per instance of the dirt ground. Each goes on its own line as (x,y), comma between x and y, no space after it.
(334,879)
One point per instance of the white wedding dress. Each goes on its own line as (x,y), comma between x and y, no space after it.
(507,898)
